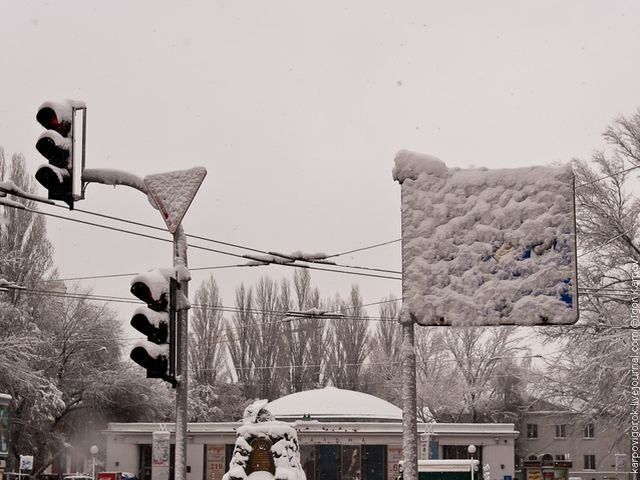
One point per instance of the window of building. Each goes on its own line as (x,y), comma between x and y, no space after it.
(561,431)
(373,462)
(589,462)
(532,430)
(588,431)
(561,456)
(145,461)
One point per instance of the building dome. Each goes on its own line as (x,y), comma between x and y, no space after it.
(331,404)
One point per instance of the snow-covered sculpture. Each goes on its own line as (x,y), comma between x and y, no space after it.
(265,448)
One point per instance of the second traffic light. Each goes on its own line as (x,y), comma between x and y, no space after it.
(156,354)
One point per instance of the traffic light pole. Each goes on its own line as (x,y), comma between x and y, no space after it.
(113,177)
(182,364)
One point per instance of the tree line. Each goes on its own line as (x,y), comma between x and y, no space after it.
(62,364)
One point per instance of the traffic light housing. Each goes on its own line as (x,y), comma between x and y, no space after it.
(62,144)
(156,288)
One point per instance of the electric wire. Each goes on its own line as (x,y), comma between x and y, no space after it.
(229,244)
(131,274)
(608,176)
(198,306)
(208,249)
(364,248)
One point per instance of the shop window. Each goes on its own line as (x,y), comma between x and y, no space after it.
(561,431)
(589,431)
(308,460)
(350,462)
(327,462)
(144,472)
(589,462)
(374,462)
(532,430)
(228,454)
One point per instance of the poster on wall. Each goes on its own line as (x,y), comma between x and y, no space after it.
(215,462)
(4,430)
(534,474)
(394,455)
(161,451)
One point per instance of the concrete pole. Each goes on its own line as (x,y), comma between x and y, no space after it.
(409,404)
(182,364)
(111,177)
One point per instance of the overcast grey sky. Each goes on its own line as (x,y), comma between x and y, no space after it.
(297,109)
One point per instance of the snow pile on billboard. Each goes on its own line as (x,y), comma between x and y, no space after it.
(486,247)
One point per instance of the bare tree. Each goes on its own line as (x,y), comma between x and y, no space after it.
(206,350)
(349,343)
(385,355)
(26,254)
(268,349)
(241,341)
(462,372)
(592,374)
(303,336)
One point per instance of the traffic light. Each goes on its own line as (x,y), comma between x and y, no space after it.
(62,144)
(157,289)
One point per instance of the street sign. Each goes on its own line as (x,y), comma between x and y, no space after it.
(26,463)
(486,247)
(173,192)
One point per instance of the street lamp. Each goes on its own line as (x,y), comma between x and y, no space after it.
(471,449)
(94,451)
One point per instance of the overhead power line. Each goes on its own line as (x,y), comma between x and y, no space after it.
(365,248)
(195,306)
(608,176)
(213,250)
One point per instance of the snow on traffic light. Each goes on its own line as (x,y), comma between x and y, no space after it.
(62,144)
(154,321)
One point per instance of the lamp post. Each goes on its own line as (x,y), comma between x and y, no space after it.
(94,451)
(471,449)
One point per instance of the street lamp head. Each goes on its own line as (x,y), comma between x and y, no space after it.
(94,449)
(471,449)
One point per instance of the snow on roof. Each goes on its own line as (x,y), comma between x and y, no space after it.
(486,247)
(331,402)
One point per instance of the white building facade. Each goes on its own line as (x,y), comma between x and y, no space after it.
(343,435)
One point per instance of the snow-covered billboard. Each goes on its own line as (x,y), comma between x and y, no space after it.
(486,247)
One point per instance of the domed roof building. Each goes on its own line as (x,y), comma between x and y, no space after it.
(332,404)
(342,435)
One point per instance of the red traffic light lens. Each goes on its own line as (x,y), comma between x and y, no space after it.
(48,118)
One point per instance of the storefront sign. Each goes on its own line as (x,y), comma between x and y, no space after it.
(215,462)
(534,474)
(394,455)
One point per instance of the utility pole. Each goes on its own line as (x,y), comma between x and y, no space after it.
(65,178)
(192,178)
(182,364)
